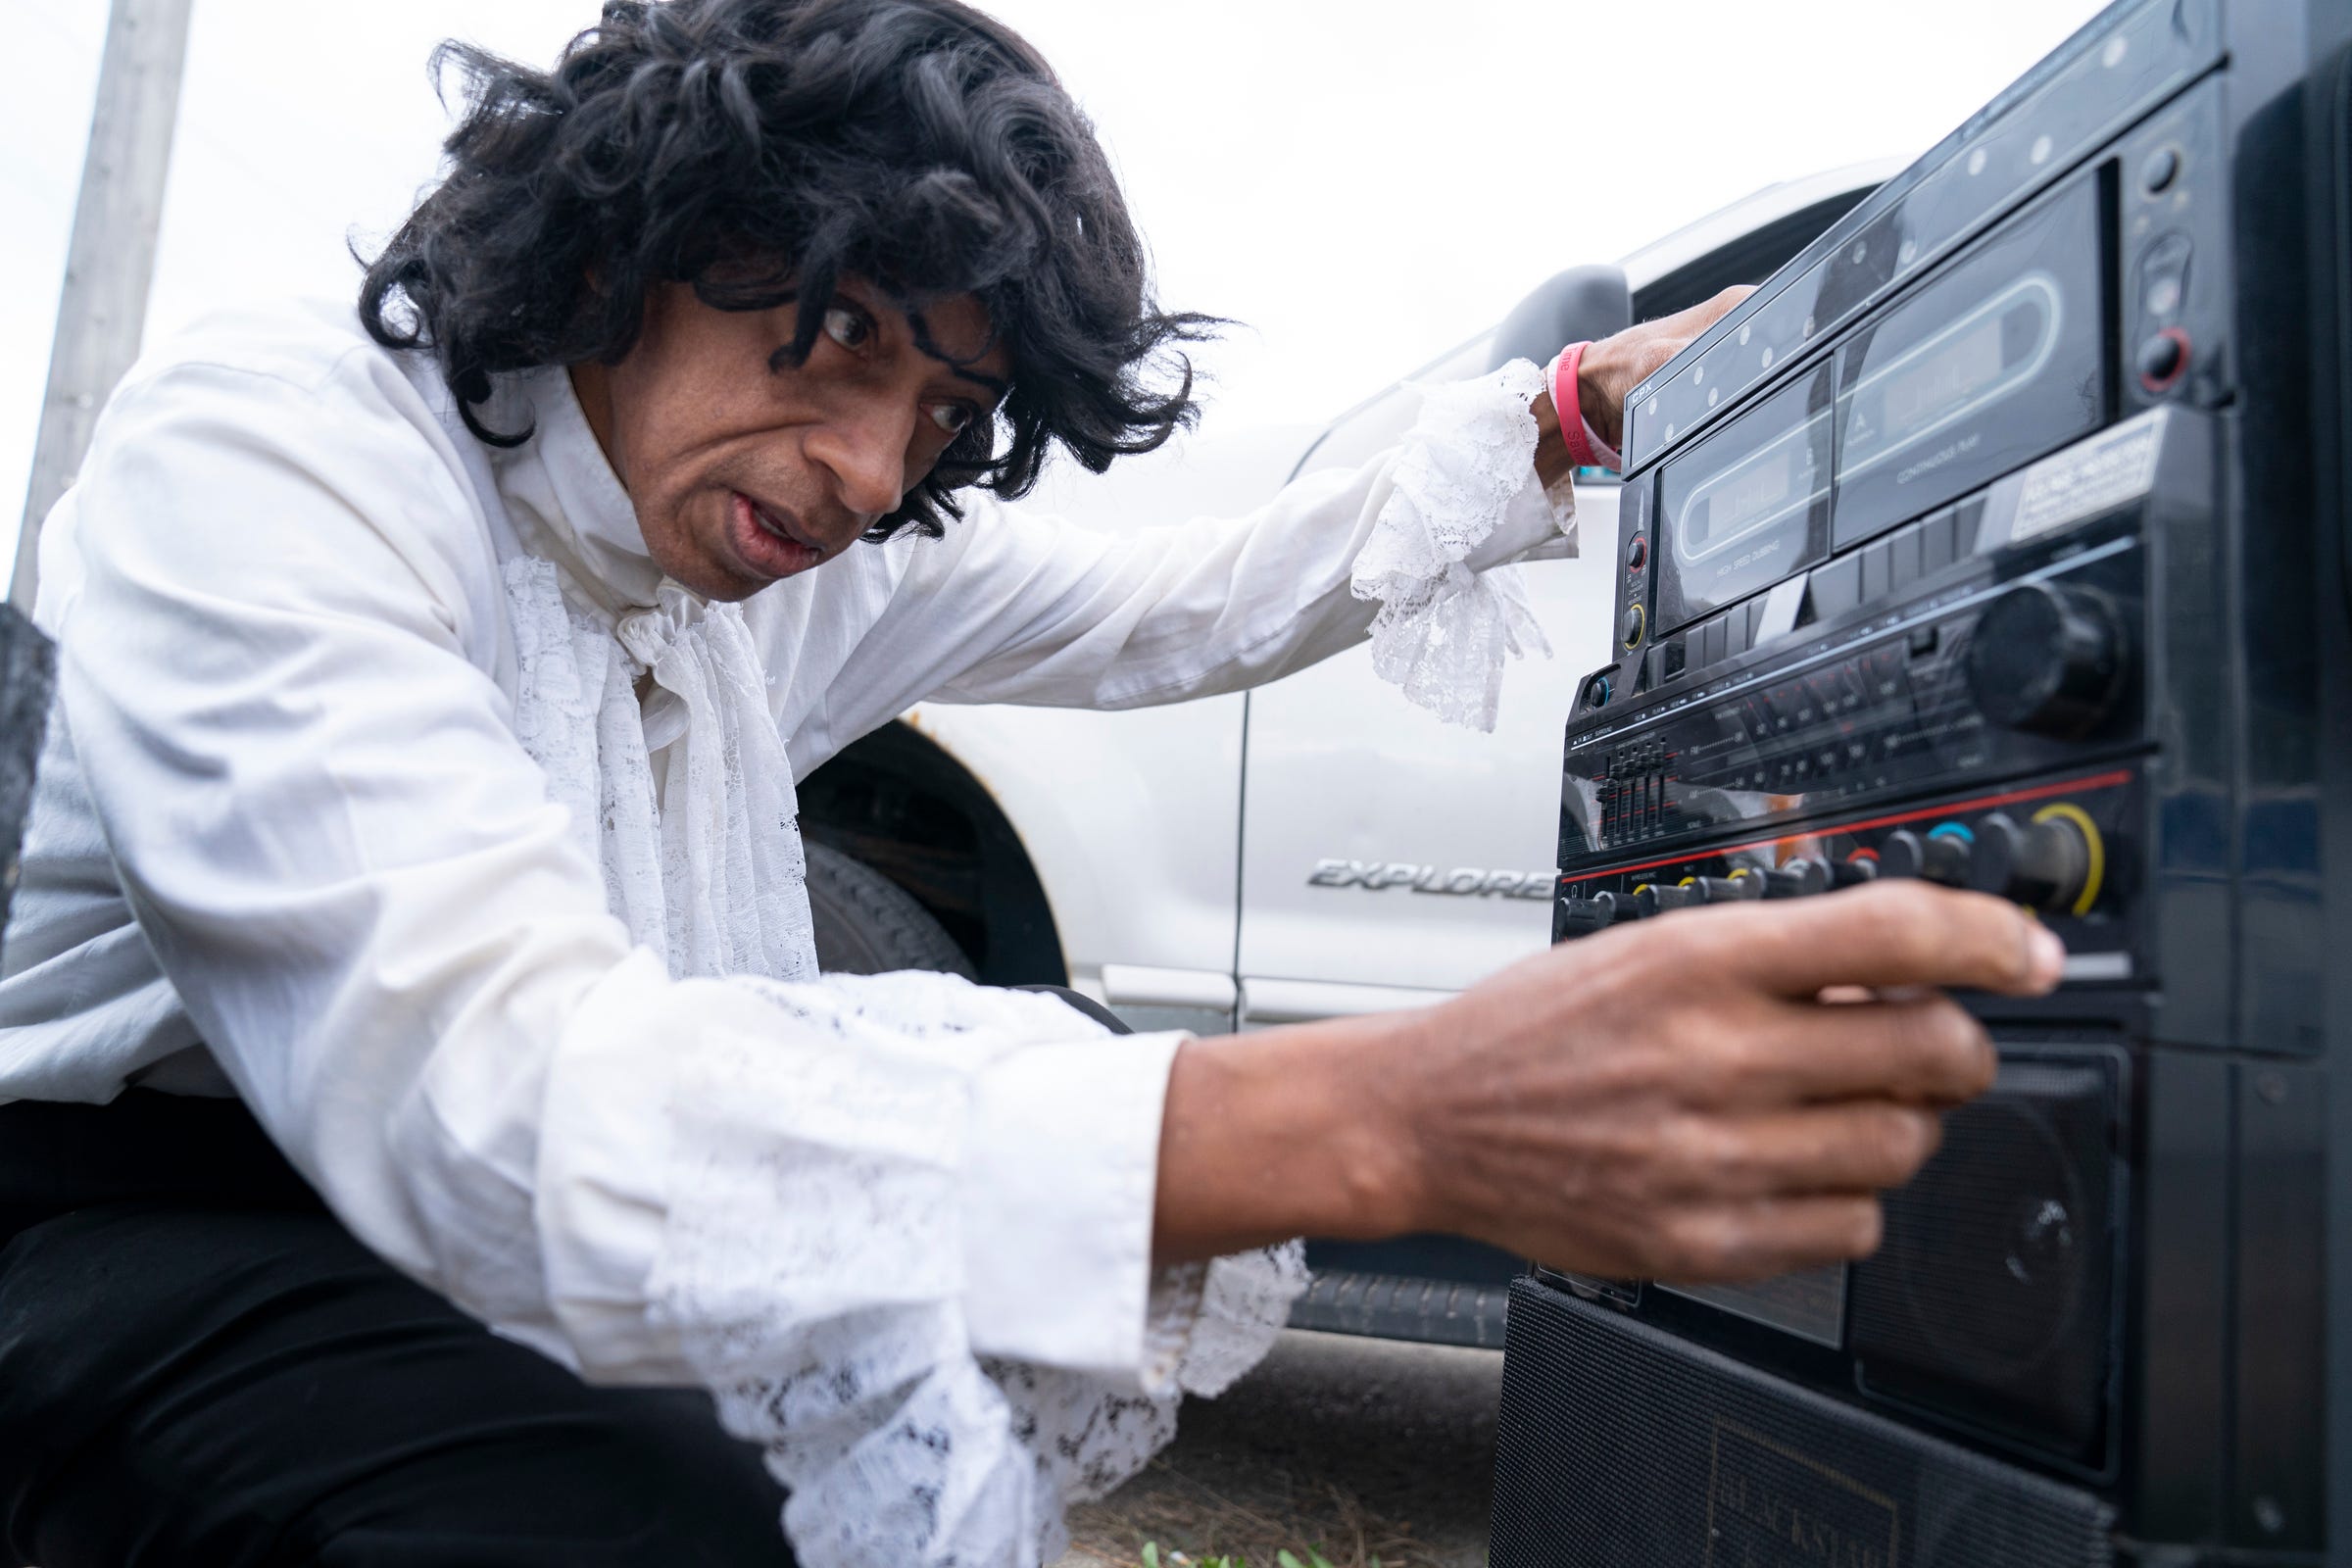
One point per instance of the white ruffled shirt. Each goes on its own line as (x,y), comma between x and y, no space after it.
(350,807)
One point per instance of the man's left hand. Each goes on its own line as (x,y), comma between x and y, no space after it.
(1615,365)
(1610,371)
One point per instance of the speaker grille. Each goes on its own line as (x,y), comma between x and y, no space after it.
(1620,1445)
(1992,1297)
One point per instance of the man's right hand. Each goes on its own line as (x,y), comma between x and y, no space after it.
(1675,1100)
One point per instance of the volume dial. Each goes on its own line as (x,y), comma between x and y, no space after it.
(2047,661)
(2044,864)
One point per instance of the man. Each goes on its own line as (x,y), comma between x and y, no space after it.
(421,1069)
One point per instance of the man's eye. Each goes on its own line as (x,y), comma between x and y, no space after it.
(847,327)
(952,417)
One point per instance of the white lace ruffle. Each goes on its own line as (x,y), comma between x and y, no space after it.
(812,1258)
(1212,1322)
(686,801)
(831,1327)
(1443,630)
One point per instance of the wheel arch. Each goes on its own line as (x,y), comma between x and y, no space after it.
(903,805)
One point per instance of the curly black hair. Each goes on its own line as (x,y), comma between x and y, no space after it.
(760,151)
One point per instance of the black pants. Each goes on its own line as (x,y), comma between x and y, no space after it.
(200,1366)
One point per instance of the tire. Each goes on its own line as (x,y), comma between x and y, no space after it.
(868,924)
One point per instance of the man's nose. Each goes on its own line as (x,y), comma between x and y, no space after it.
(866,451)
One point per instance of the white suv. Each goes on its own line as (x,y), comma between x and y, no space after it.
(1317,848)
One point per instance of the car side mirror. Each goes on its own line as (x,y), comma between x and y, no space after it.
(1582,304)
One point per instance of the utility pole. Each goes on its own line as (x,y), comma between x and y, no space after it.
(111,260)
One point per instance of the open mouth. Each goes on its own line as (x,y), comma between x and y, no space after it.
(768,540)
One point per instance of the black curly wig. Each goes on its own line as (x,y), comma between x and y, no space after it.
(760,150)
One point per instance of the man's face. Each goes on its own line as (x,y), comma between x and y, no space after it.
(744,470)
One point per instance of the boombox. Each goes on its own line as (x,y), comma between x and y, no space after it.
(1999,540)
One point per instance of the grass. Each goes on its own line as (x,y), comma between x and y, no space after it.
(1168,1519)
(1152,1559)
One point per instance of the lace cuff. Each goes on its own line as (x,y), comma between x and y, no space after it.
(1466,472)
(806,1235)
(1211,1322)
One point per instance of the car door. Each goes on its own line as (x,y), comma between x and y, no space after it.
(1387,855)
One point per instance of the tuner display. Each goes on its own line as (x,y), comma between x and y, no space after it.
(1749,506)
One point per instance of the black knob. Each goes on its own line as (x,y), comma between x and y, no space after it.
(1580,918)
(1637,622)
(2047,661)
(1852,873)
(2044,865)
(1949,859)
(1798,879)
(1902,852)
(2163,358)
(1941,858)
(1729,889)
(1653,898)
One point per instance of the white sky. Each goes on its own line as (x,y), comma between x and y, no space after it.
(1362,182)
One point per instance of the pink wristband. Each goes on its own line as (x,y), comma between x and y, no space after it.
(1567,401)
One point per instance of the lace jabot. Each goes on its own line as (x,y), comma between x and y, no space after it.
(686,801)
(1444,631)
(808,1185)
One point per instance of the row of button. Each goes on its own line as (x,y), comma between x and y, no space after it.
(1820,765)
(2050,864)
(1867,576)
(1727,636)
(1798,879)
(1877,571)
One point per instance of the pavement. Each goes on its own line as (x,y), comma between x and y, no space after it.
(1364,1451)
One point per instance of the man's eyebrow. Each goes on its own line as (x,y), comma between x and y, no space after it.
(927,345)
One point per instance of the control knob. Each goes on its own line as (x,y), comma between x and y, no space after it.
(1582,917)
(1653,898)
(2044,865)
(1856,871)
(1738,889)
(1940,858)
(1798,879)
(2163,360)
(2047,661)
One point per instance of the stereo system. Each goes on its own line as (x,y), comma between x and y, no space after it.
(1998,540)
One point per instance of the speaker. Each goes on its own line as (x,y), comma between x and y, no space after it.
(1620,1445)
(1991,1302)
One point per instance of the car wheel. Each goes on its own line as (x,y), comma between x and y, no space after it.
(868,924)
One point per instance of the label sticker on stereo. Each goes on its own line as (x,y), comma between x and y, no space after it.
(2098,475)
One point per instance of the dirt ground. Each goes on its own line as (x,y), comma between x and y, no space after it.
(1362,1449)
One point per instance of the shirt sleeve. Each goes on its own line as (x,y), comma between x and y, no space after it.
(837,1205)
(1018,608)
